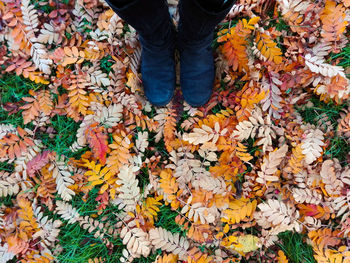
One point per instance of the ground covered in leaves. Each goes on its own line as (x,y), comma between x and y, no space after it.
(91,172)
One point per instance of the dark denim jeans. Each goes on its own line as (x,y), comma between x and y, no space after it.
(150,16)
(158,37)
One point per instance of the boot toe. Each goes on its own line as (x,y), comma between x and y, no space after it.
(158,73)
(159,83)
(197,92)
(159,94)
(197,74)
(197,101)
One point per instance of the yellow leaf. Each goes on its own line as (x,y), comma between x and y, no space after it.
(254,20)
(97,167)
(243,103)
(138,209)
(97,182)
(130,214)
(25,223)
(112,193)
(248,242)
(282,257)
(108,175)
(243,212)
(226,228)
(94,178)
(104,170)
(277,60)
(103,188)
(244,22)
(219,235)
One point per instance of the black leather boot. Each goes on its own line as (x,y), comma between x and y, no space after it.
(195,35)
(157,34)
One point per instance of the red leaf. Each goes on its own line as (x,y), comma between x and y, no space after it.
(98,142)
(103,198)
(38,162)
(10,68)
(53,14)
(311,210)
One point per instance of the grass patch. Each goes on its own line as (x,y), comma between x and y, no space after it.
(143,178)
(166,220)
(78,245)
(280,24)
(7,167)
(344,57)
(6,201)
(338,148)
(151,258)
(319,110)
(320,113)
(14,119)
(106,63)
(156,146)
(12,89)
(66,129)
(296,250)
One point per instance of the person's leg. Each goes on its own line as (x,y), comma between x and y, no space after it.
(157,34)
(117,3)
(198,19)
(214,5)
